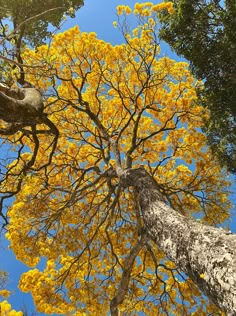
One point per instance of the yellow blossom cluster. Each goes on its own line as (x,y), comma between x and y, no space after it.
(43,290)
(164,6)
(6,310)
(5,293)
(146,8)
(123,9)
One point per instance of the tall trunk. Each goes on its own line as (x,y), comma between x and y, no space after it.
(206,254)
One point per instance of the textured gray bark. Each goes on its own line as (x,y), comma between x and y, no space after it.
(206,254)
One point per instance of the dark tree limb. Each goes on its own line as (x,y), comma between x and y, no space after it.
(23,107)
(127,269)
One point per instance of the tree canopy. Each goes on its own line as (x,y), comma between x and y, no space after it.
(32,17)
(115,108)
(27,22)
(204,32)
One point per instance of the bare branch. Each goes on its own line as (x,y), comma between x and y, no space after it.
(124,283)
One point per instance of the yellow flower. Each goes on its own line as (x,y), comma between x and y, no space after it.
(119,9)
(6,310)
(5,293)
(128,10)
(123,8)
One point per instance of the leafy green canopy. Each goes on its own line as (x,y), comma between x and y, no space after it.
(204,32)
(36,31)
(27,23)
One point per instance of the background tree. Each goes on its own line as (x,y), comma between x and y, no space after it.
(27,22)
(204,32)
(35,32)
(85,213)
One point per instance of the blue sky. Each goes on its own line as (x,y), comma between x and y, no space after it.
(96,16)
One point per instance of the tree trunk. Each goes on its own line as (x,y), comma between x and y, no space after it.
(206,254)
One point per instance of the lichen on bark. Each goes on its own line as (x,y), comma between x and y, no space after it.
(205,253)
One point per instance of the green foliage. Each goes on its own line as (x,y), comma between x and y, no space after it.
(36,31)
(204,32)
(26,23)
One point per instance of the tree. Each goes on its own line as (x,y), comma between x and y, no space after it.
(40,14)
(27,22)
(204,32)
(116,235)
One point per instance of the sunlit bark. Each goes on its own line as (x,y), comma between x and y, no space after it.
(206,254)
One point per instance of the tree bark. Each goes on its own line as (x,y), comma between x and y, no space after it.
(20,105)
(205,253)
